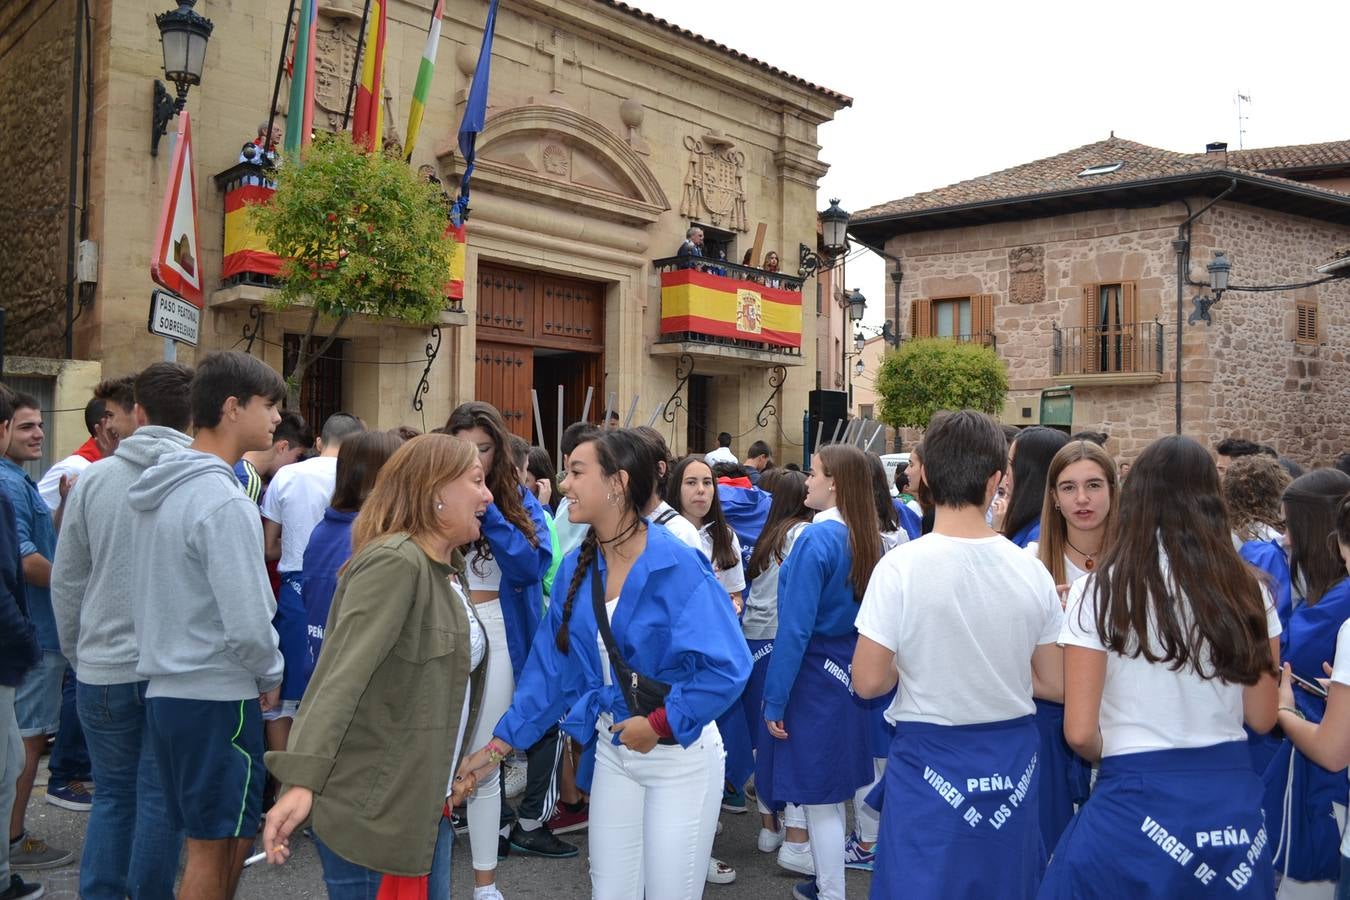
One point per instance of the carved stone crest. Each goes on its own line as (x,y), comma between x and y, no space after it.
(749,312)
(1026,274)
(557,161)
(714,188)
(334,58)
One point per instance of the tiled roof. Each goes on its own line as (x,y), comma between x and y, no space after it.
(1139,163)
(841,99)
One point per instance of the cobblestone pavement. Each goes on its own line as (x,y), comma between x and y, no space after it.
(520,877)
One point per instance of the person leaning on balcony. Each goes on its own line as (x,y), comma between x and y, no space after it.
(692,246)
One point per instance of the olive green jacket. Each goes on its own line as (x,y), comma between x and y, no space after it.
(379,722)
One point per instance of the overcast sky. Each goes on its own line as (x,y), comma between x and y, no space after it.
(949,90)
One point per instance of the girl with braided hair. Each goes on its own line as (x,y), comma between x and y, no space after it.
(648,674)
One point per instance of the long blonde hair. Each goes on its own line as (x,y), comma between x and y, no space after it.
(1054,527)
(404,497)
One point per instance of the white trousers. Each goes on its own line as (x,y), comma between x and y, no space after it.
(653,818)
(485,805)
(869,820)
(825,824)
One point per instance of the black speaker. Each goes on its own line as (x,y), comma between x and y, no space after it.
(828,411)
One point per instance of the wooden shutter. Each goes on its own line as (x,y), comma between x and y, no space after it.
(504,376)
(982,319)
(921,318)
(1129,325)
(1091,329)
(1305,329)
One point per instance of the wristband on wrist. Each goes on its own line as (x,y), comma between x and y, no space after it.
(657,720)
(1292,709)
(496,751)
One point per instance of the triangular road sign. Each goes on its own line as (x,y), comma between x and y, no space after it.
(177,260)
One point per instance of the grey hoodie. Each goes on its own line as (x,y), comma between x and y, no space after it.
(201,600)
(94,566)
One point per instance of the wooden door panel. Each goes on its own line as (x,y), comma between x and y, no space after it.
(505,297)
(570,310)
(504,377)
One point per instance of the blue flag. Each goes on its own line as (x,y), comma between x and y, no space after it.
(475,112)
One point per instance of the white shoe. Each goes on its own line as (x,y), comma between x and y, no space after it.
(515,781)
(488,892)
(719,872)
(798,861)
(769,840)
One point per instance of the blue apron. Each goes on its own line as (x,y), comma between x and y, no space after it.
(1167,823)
(740,755)
(959,818)
(1065,777)
(752,698)
(827,755)
(292,637)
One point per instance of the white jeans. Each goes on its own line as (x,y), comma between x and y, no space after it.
(869,820)
(485,804)
(653,817)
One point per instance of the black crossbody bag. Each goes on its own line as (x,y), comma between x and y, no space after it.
(644,695)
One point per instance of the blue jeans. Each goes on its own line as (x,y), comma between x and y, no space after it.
(348,881)
(130,848)
(70,754)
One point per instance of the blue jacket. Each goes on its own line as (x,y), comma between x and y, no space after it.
(673,623)
(745,510)
(523,570)
(910,522)
(1027,533)
(19,649)
(814,598)
(330,546)
(1270,558)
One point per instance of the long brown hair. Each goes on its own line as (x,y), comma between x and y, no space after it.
(853,494)
(1054,527)
(1310,515)
(1171,504)
(502,479)
(404,497)
(359,461)
(787,510)
(723,553)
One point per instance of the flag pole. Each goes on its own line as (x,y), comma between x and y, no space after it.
(276,85)
(586,407)
(631,410)
(356,65)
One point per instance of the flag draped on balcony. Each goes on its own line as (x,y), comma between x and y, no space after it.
(424,72)
(368,119)
(475,113)
(300,117)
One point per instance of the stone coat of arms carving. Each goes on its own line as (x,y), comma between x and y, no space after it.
(714,188)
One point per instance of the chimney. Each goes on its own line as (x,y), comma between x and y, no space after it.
(1217,147)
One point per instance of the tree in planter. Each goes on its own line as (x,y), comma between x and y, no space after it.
(934,374)
(362,235)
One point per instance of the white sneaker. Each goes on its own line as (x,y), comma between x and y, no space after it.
(769,840)
(487,892)
(719,872)
(798,861)
(515,781)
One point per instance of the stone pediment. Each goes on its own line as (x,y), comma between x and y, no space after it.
(557,157)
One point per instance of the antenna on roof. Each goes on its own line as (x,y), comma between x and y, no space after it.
(1242,118)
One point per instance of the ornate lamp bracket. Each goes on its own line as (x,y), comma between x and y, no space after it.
(777,375)
(433,347)
(683,369)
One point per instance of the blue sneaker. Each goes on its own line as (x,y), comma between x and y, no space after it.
(856,856)
(733,801)
(807,890)
(71,795)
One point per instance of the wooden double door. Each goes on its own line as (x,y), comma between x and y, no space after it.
(536,331)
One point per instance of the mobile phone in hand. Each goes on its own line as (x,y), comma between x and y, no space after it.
(1311,687)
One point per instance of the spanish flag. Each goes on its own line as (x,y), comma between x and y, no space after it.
(367,119)
(704,303)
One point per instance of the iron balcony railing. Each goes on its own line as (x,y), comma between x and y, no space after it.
(1134,347)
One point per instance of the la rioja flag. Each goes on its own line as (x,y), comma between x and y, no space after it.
(176,262)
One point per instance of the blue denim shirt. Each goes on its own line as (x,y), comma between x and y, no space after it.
(37,534)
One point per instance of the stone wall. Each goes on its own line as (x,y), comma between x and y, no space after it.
(1266,387)
(36,54)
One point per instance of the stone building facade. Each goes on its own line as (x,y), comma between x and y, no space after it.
(1072,276)
(609,132)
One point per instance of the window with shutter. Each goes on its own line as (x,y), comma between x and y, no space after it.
(1091,329)
(921,318)
(1305,330)
(982,319)
(1110,341)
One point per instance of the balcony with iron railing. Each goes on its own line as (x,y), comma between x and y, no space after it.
(1130,353)
(718,309)
(250,271)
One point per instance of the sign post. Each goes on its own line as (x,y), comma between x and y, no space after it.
(175,263)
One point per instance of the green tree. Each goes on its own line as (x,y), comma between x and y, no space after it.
(362,234)
(929,375)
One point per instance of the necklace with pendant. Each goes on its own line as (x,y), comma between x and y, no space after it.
(1088,561)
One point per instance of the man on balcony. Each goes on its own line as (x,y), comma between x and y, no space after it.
(692,246)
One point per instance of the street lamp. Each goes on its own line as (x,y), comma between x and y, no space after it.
(859,368)
(833,238)
(1218,270)
(857,305)
(183,34)
(859,341)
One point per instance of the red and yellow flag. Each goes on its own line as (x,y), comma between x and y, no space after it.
(367,118)
(704,303)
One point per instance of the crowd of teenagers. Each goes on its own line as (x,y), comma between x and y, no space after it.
(1031,670)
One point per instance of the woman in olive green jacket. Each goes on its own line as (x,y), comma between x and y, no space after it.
(391,702)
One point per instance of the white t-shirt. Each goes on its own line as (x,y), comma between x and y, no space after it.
(477,649)
(732,580)
(677,525)
(963,616)
(720,455)
(482,572)
(295,500)
(50,485)
(1148,706)
(1071,571)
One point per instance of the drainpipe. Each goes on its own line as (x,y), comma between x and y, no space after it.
(1182,246)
